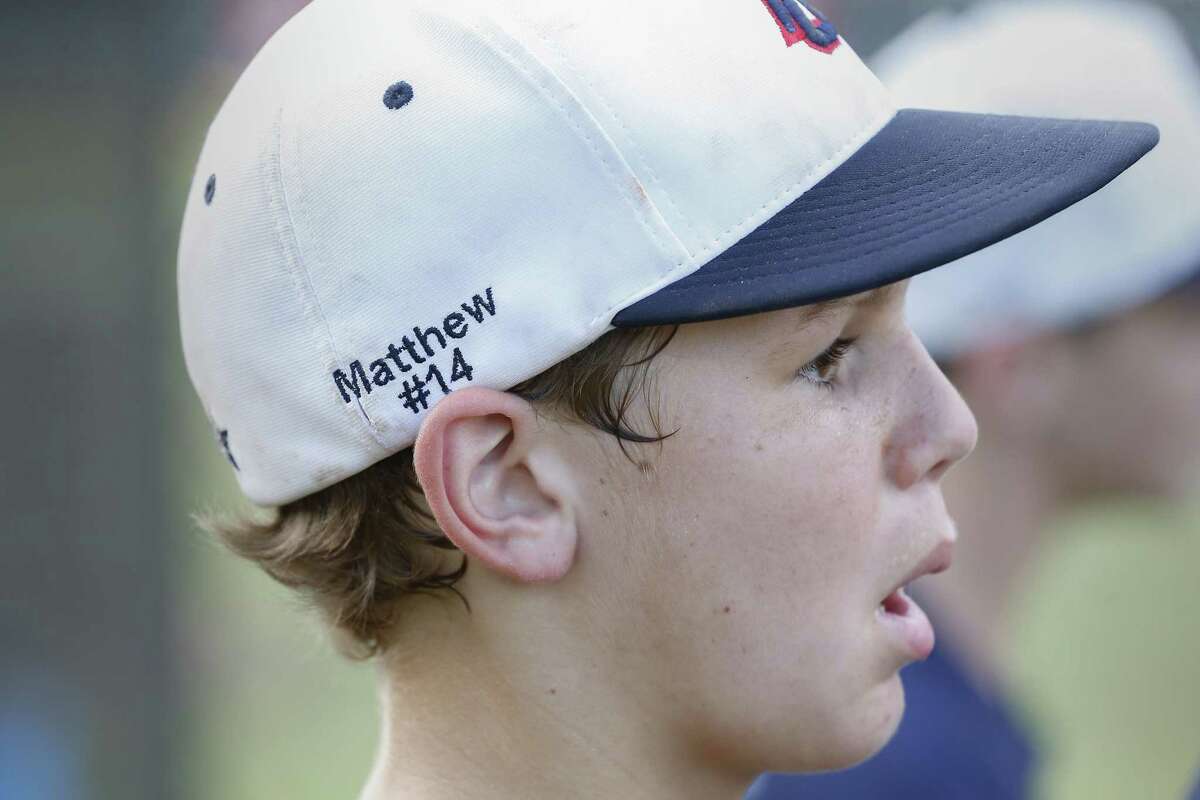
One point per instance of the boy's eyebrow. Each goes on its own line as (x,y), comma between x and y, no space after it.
(819,311)
(811,314)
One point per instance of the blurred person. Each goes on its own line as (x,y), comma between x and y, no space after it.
(494,284)
(1075,343)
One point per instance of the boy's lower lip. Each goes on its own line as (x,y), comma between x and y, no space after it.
(907,624)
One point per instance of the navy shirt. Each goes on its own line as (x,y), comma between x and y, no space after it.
(1195,795)
(954,742)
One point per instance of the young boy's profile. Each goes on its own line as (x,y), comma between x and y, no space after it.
(1075,345)
(567,343)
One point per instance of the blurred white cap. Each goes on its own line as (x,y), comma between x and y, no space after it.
(1119,248)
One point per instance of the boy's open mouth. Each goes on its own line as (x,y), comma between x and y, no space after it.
(906,624)
(903,617)
(896,603)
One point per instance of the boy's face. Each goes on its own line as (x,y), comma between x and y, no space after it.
(750,580)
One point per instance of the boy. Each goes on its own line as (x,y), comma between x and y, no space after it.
(680,242)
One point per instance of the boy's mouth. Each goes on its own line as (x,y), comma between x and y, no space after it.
(903,616)
(907,624)
(897,602)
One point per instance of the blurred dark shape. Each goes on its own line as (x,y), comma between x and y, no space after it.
(42,738)
(86,680)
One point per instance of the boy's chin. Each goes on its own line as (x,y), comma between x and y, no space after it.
(849,735)
(868,728)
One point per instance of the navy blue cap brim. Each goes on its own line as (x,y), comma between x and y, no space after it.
(931,187)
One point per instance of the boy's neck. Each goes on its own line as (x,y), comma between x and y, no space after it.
(469,728)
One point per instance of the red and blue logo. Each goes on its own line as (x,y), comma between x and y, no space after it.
(798,23)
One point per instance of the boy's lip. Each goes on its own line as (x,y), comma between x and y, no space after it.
(902,616)
(907,624)
(938,560)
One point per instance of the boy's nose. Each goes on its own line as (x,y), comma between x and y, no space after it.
(937,431)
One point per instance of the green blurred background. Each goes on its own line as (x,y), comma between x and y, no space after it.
(137,660)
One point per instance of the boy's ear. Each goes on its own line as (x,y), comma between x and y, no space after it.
(493,487)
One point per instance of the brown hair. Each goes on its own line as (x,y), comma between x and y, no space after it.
(357,549)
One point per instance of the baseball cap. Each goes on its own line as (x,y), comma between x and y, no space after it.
(1115,250)
(401,199)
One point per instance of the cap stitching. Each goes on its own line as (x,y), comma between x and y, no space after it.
(695,259)
(857,141)
(1005,195)
(1011,193)
(633,145)
(864,134)
(301,276)
(829,210)
(581,130)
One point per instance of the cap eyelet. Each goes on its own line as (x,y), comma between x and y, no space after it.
(398,95)
(210,190)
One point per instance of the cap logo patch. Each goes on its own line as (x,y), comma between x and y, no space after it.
(799,23)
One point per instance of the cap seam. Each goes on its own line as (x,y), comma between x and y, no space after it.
(923,168)
(633,145)
(581,130)
(302,278)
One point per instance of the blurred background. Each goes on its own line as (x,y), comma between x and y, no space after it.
(137,660)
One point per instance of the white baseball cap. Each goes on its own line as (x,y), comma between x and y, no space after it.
(1127,245)
(400,199)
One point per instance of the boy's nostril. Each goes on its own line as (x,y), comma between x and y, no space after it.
(940,469)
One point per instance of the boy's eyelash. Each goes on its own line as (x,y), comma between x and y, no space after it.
(813,370)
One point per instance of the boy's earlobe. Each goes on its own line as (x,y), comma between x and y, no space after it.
(493,490)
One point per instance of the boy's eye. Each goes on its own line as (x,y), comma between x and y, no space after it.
(823,369)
